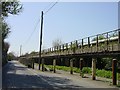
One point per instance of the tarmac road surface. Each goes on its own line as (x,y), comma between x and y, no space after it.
(16,75)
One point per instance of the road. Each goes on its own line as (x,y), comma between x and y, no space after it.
(16,75)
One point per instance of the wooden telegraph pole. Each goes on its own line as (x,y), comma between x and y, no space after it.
(40,39)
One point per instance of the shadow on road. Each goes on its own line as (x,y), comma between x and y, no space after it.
(61,83)
(25,81)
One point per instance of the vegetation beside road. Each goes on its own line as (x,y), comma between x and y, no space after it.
(85,70)
(13,8)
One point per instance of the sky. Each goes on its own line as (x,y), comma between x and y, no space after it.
(67,21)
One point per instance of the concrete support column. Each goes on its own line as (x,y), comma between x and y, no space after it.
(77,62)
(43,68)
(61,61)
(114,71)
(81,66)
(67,62)
(54,65)
(33,65)
(93,68)
(71,66)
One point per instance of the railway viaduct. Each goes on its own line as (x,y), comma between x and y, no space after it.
(90,49)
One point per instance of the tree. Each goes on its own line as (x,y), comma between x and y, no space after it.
(4,52)
(5,30)
(56,42)
(25,55)
(33,53)
(11,56)
(14,8)
(5,45)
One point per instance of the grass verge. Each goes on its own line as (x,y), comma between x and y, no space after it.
(85,70)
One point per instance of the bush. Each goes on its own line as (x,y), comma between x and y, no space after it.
(100,73)
(86,70)
(49,66)
(104,73)
(77,70)
(65,68)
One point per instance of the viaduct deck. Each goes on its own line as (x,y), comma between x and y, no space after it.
(105,44)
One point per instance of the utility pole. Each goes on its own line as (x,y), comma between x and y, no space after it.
(40,39)
(20,49)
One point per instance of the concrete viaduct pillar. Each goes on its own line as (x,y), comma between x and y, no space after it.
(61,61)
(93,68)
(43,68)
(81,66)
(33,65)
(54,65)
(32,61)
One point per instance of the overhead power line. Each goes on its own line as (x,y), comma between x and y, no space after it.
(32,32)
(46,8)
(51,7)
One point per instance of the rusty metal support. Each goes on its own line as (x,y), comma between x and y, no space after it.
(89,42)
(71,66)
(76,43)
(82,45)
(63,47)
(60,48)
(97,43)
(57,48)
(107,41)
(114,71)
(66,46)
(71,45)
